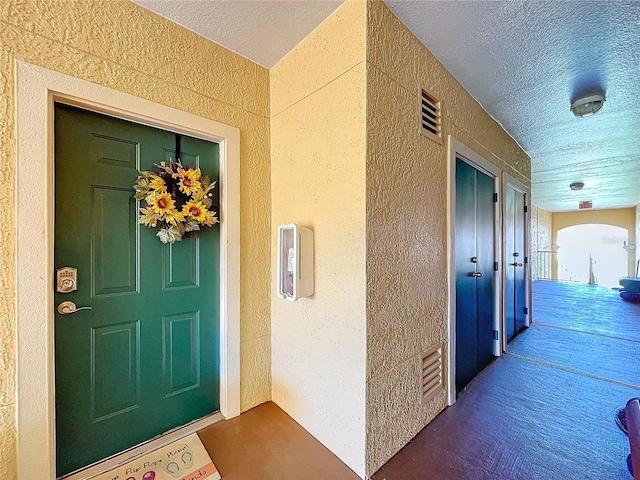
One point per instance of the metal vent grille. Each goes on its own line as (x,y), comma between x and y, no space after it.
(430,117)
(431,374)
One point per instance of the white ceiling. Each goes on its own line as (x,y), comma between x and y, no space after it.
(524,61)
(264,31)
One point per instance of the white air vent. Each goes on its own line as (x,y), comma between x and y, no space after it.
(430,117)
(431,374)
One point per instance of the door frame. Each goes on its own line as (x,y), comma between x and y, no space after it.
(511,182)
(459,149)
(37,89)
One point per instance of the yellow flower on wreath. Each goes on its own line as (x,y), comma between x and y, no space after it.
(157,184)
(167,167)
(148,217)
(174,217)
(161,203)
(189,180)
(195,209)
(209,218)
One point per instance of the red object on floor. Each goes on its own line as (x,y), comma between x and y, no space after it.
(633,427)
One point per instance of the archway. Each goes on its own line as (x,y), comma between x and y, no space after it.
(592,253)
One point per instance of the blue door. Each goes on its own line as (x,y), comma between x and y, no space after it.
(514,242)
(475,257)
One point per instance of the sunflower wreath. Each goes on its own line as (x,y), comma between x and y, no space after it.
(176,200)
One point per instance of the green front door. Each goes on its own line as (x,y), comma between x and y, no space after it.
(145,358)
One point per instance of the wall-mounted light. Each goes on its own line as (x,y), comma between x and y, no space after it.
(576,186)
(587,106)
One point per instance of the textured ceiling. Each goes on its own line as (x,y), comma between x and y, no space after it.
(524,61)
(261,30)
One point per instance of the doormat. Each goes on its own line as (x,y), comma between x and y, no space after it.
(185,459)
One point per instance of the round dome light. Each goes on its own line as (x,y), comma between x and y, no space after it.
(587,106)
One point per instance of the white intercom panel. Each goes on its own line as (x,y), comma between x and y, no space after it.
(295,262)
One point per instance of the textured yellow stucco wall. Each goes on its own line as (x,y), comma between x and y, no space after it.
(125,47)
(540,243)
(407,290)
(318,181)
(618,217)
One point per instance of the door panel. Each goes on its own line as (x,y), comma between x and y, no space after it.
(114,152)
(510,270)
(485,228)
(515,249)
(474,253)
(114,253)
(145,359)
(466,303)
(520,288)
(114,384)
(181,334)
(181,262)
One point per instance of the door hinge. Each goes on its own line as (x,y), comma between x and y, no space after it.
(526,259)
(526,209)
(495,197)
(495,266)
(526,310)
(496,335)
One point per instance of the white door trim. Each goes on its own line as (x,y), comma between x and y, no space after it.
(509,181)
(36,90)
(459,149)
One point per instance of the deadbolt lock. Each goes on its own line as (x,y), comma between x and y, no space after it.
(66,280)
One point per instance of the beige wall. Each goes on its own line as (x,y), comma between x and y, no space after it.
(122,46)
(329,140)
(618,217)
(540,243)
(318,181)
(406,223)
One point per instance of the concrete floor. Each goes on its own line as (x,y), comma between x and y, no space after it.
(544,410)
(267,444)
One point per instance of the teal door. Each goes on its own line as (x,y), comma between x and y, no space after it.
(515,295)
(145,358)
(475,241)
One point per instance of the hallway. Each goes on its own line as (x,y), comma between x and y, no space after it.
(545,410)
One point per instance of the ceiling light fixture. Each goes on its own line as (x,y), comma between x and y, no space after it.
(587,106)
(576,186)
